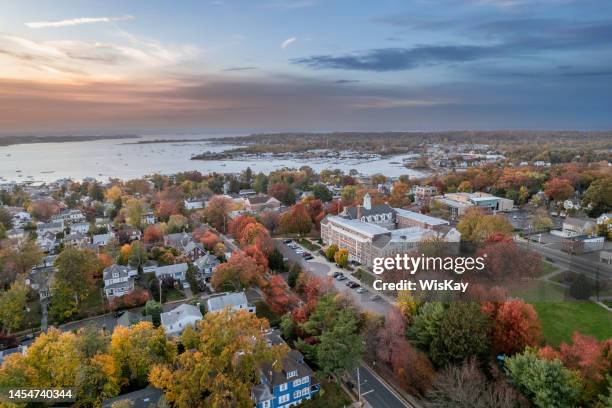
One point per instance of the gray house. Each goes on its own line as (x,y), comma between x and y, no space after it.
(118,280)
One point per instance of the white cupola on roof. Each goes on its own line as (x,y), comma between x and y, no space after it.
(367,202)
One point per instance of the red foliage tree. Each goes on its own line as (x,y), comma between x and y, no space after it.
(135,298)
(515,326)
(558,189)
(296,221)
(239,224)
(209,239)
(334,208)
(240,271)
(279,296)
(152,234)
(506,261)
(258,256)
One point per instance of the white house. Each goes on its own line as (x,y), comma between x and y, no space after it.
(235,301)
(605,219)
(578,226)
(194,204)
(118,280)
(176,320)
(79,228)
(102,239)
(177,271)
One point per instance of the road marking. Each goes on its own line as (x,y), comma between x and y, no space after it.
(366,393)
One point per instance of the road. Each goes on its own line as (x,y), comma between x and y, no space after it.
(321,267)
(570,262)
(375,392)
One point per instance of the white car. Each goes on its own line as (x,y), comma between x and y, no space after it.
(361,290)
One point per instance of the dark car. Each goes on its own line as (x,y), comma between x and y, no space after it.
(287,241)
(336,274)
(308,257)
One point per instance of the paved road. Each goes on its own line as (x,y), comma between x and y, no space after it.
(570,262)
(321,267)
(375,392)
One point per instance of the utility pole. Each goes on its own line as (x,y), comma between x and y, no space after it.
(160,292)
(359,386)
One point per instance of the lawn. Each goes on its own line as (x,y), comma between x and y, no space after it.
(560,319)
(173,294)
(331,395)
(309,245)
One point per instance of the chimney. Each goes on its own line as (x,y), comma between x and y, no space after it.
(359,211)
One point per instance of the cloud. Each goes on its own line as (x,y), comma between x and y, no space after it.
(287,42)
(397,59)
(346,81)
(232,69)
(290,4)
(76,21)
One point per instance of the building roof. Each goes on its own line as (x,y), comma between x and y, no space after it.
(182,312)
(122,270)
(425,219)
(351,212)
(218,303)
(129,318)
(361,227)
(172,269)
(260,199)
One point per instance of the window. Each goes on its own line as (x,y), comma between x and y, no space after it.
(291,374)
(283,387)
(283,398)
(266,404)
(306,391)
(297,394)
(305,380)
(297,382)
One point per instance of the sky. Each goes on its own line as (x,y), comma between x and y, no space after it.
(155,66)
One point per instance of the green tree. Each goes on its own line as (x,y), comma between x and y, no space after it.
(138,255)
(135,209)
(426,326)
(321,192)
(12,306)
(330,252)
(464,332)
(348,195)
(546,383)
(6,219)
(341,257)
(154,309)
(598,197)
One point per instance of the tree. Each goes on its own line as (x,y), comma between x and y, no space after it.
(515,326)
(136,349)
(399,195)
(465,187)
(217,212)
(135,209)
(348,195)
(209,240)
(321,192)
(426,325)
(459,386)
(137,255)
(296,220)
(341,257)
(113,193)
(154,309)
(333,325)
(283,192)
(505,260)
(177,223)
(152,234)
(222,370)
(542,222)
(6,219)
(12,306)
(558,189)
(598,197)
(18,259)
(279,296)
(241,271)
(276,261)
(44,209)
(75,278)
(464,332)
(330,252)
(546,383)
(476,225)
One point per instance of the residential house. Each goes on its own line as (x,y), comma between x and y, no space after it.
(422,194)
(76,239)
(288,386)
(234,301)
(194,204)
(177,271)
(102,239)
(118,280)
(261,202)
(69,216)
(52,227)
(148,218)
(176,320)
(193,251)
(573,226)
(80,228)
(40,278)
(15,233)
(605,219)
(206,266)
(178,240)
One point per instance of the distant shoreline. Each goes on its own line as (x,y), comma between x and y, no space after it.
(18,140)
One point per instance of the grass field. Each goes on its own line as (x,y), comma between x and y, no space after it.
(561,317)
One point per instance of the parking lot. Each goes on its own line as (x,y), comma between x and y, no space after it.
(364,297)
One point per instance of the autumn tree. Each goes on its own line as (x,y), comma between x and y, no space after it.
(426,325)
(476,225)
(598,197)
(279,296)
(321,192)
(113,193)
(152,234)
(296,220)
(18,259)
(44,209)
(283,192)
(241,271)
(515,326)
(12,306)
(558,189)
(222,368)
(341,257)
(217,212)
(399,195)
(136,349)
(209,240)
(330,252)
(505,260)
(135,209)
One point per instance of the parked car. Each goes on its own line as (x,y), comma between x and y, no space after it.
(341,277)
(308,257)
(361,289)
(336,274)
(287,241)
(375,298)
